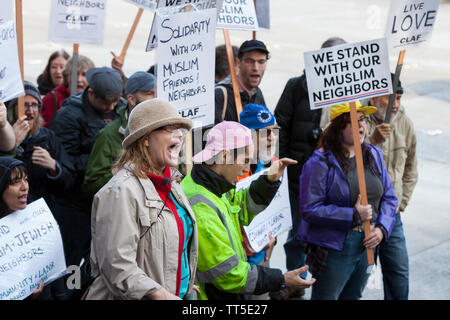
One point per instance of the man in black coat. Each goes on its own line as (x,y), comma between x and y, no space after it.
(300,128)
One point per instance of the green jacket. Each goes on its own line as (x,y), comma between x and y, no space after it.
(106,150)
(222,261)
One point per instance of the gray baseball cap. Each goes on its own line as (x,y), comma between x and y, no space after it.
(139,81)
(104,81)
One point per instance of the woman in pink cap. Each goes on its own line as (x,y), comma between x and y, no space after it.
(223,271)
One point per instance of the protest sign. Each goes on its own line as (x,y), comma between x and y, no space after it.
(347,73)
(152,41)
(11,85)
(275,219)
(77,21)
(144,4)
(237,15)
(410,22)
(262,8)
(186,53)
(31,251)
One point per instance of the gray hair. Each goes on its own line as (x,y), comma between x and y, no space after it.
(333,41)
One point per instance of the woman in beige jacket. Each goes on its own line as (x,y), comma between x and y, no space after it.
(144,234)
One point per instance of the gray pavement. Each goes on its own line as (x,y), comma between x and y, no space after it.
(299,26)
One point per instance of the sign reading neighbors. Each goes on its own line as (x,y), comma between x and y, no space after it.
(275,219)
(186,53)
(77,21)
(152,41)
(238,15)
(10,76)
(31,251)
(347,73)
(410,22)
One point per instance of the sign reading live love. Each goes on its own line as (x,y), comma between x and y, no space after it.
(185,55)
(73,21)
(10,79)
(275,219)
(347,73)
(410,22)
(31,251)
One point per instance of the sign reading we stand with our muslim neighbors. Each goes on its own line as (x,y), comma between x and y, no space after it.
(31,251)
(410,22)
(10,76)
(186,55)
(77,21)
(238,15)
(347,73)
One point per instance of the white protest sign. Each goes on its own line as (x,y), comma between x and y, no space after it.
(144,4)
(410,22)
(185,72)
(77,21)
(263,13)
(152,41)
(238,15)
(275,219)
(31,251)
(347,73)
(10,76)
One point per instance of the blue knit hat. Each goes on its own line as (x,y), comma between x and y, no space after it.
(255,116)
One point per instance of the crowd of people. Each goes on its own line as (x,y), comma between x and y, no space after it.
(107,162)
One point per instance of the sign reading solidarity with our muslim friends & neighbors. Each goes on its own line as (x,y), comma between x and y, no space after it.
(347,72)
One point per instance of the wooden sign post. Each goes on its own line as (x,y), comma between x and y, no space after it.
(130,34)
(230,56)
(398,70)
(361,175)
(74,72)
(19,28)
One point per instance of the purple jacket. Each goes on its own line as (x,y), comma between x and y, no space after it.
(327,214)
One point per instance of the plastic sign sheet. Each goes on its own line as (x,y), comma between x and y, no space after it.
(238,15)
(178,5)
(31,251)
(410,22)
(275,219)
(347,72)
(10,78)
(77,21)
(186,55)
(144,4)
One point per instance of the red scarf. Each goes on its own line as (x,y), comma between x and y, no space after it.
(163,190)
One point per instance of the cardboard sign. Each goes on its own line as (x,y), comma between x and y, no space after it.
(276,218)
(10,80)
(410,22)
(31,251)
(152,41)
(77,21)
(238,15)
(185,72)
(263,13)
(144,4)
(347,73)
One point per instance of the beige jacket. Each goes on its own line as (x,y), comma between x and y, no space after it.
(399,153)
(129,261)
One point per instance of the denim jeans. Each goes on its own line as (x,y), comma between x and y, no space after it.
(394,264)
(346,274)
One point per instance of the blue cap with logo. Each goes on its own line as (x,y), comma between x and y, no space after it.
(256,116)
(139,81)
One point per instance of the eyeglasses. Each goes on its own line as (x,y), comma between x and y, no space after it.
(174,128)
(362,120)
(251,61)
(33,105)
(269,131)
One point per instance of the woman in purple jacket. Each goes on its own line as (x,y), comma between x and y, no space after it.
(332,214)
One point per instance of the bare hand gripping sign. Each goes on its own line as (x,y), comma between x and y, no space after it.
(347,73)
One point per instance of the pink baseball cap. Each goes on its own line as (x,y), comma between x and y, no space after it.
(227,135)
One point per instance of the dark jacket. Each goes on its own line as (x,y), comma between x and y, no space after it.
(40,182)
(230,114)
(76,124)
(327,214)
(299,124)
